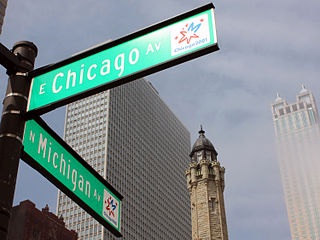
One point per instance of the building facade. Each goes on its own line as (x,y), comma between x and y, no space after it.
(131,137)
(205,181)
(29,223)
(297,138)
(3,6)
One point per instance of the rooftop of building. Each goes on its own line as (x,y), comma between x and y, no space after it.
(303,91)
(202,143)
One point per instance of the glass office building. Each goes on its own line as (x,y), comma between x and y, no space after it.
(3,6)
(131,137)
(297,141)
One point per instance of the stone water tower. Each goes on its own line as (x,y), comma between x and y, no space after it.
(205,179)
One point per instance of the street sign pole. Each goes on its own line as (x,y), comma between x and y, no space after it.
(12,123)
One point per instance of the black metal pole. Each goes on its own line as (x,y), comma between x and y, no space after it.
(12,127)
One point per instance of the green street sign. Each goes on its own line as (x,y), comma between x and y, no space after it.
(45,151)
(155,48)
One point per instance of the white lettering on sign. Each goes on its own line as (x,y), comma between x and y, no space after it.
(121,66)
(54,89)
(32,136)
(136,53)
(71,78)
(105,69)
(157,46)
(81,73)
(41,88)
(42,145)
(150,47)
(57,163)
(73,75)
(89,75)
(96,195)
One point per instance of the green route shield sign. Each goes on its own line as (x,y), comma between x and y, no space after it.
(45,151)
(155,48)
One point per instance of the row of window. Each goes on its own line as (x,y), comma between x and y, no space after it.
(142,166)
(294,122)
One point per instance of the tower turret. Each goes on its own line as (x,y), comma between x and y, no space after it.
(205,180)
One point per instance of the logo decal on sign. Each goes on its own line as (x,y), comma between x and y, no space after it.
(190,34)
(111,208)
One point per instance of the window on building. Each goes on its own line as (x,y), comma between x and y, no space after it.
(304,119)
(294,107)
(290,123)
(311,116)
(305,98)
(281,112)
(199,156)
(297,120)
(301,106)
(277,106)
(213,204)
(288,110)
(208,155)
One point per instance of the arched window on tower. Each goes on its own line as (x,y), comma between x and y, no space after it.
(213,204)
(208,155)
(199,156)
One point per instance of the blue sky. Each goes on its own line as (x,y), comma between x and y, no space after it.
(266,47)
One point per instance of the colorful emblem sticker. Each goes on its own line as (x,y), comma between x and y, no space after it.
(190,34)
(111,208)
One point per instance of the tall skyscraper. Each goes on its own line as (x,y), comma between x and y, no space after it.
(131,137)
(205,181)
(297,139)
(3,6)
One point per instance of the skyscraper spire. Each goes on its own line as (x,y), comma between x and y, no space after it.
(278,98)
(303,89)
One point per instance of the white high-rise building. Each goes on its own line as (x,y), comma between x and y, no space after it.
(298,146)
(131,137)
